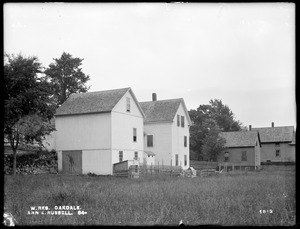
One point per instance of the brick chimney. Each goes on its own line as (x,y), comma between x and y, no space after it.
(154,97)
(272,124)
(250,127)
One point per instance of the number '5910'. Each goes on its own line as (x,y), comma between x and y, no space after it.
(265,211)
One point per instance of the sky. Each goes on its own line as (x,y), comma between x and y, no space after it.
(240,53)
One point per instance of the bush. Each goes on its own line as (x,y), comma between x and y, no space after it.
(32,163)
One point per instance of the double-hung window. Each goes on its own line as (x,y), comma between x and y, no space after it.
(182,121)
(149,140)
(244,156)
(134,135)
(128,104)
(277,153)
(136,155)
(120,156)
(185,141)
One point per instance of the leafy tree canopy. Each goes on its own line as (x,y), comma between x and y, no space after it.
(26,101)
(207,122)
(66,77)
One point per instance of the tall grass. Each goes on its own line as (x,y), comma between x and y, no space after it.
(233,199)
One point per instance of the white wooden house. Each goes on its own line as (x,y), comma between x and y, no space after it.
(166,131)
(94,130)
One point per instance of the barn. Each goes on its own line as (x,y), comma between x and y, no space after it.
(94,130)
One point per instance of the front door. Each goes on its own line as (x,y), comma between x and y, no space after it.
(72,162)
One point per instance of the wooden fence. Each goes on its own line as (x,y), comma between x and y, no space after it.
(132,170)
(207,172)
(236,166)
(159,170)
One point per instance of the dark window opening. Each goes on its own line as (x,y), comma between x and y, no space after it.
(244,156)
(127,104)
(120,156)
(182,121)
(134,135)
(149,140)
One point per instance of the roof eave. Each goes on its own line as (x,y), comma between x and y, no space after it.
(137,102)
(95,112)
(159,121)
(239,146)
(186,111)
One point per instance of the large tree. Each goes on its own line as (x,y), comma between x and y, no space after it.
(208,120)
(66,77)
(26,102)
(213,144)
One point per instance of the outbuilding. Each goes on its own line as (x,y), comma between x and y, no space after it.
(94,130)
(242,149)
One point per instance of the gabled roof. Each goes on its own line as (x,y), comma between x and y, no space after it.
(162,110)
(276,134)
(240,138)
(93,102)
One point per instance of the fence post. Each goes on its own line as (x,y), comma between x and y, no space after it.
(171,168)
(158,167)
(151,169)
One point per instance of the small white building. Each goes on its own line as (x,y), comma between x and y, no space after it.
(94,130)
(166,128)
(148,158)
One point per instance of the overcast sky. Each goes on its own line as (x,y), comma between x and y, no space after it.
(241,53)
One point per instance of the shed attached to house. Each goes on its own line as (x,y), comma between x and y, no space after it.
(242,148)
(94,130)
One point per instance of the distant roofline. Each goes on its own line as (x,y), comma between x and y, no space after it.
(276,142)
(103,90)
(250,146)
(161,100)
(241,131)
(269,127)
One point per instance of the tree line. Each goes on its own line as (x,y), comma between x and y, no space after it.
(32,93)
(208,120)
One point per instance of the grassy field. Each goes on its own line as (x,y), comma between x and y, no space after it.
(226,199)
